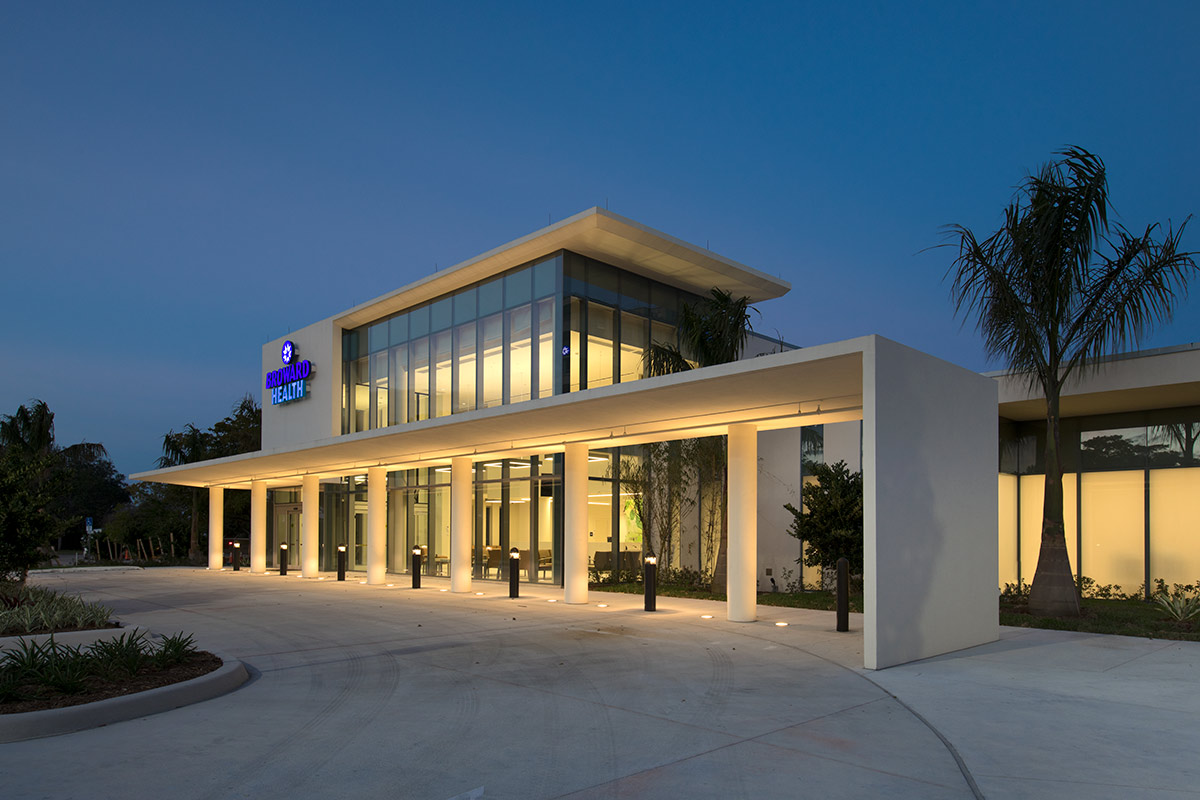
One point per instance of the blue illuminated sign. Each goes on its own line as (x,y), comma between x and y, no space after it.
(290,382)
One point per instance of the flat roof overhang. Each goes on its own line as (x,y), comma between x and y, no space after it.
(599,234)
(812,386)
(1155,379)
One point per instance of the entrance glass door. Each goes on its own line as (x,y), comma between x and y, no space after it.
(358,544)
(287,529)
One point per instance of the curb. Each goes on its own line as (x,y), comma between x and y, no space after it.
(55,721)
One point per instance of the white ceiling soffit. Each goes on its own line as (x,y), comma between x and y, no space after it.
(800,387)
(601,235)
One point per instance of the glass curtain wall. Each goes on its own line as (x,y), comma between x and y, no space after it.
(563,323)
(515,507)
(495,342)
(419,516)
(1131,489)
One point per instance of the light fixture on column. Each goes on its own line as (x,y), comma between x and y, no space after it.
(237,556)
(650,582)
(514,564)
(283,554)
(416,566)
(341,562)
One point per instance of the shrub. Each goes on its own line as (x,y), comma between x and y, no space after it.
(32,666)
(31,609)
(174,649)
(831,524)
(1179,608)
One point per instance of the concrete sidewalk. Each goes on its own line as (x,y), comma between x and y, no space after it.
(369,691)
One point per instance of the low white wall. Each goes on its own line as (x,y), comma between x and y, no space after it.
(778,483)
(929,485)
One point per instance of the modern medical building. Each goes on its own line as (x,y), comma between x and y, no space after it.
(499,405)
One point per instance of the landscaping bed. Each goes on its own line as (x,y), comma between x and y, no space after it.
(26,610)
(1123,617)
(41,675)
(817,600)
(37,675)
(1119,617)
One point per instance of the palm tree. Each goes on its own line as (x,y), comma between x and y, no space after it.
(189,445)
(1051,304)
(711,332)
(30,431)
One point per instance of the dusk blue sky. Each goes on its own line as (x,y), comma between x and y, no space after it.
(180,183)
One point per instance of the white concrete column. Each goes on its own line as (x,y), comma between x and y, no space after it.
(258,526)
(216,526)
(742,557)
(461,524)
(575,524)
(310,521)
(376,525)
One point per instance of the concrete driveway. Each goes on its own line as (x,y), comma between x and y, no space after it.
(365,691)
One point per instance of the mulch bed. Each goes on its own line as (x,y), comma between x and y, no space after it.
(40,697)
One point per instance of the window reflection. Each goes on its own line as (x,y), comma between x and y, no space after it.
(499,342)
(493,360)
(600,346)
(418,359)
(520,354)
(467,368)
(442,376)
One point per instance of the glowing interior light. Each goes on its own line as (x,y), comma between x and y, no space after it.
(479,594)
(551,600)
(706,616)
(602,605)
(780,624)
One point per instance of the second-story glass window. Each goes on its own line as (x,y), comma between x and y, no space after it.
(563,323)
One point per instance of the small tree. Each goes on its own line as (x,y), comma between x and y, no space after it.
(831,524)
(27,484)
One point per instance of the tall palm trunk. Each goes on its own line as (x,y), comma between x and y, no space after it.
(721,567)
(1054,593)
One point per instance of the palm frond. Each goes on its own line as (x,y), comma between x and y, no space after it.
(663,359)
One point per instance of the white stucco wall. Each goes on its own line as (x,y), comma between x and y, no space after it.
(778,483)
(843,442)
(319,414)
(929,485)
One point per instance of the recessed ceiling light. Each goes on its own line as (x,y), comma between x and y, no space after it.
(706,616)
(780,624)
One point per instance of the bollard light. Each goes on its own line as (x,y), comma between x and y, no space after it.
(416,566)
(237,556)
(283,559)
(514,567)
(341,562)
(843,595)
(650,582)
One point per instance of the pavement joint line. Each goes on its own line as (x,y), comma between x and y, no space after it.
(958,759)
(1167,644)
(791,750)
